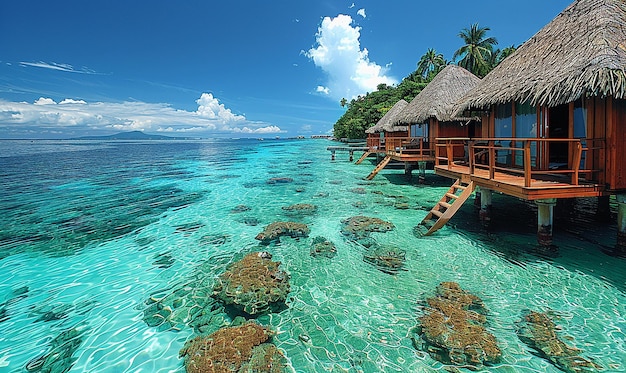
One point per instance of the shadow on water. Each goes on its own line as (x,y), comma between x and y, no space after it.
(581,238)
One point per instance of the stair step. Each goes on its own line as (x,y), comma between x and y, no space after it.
(453,196)
(437,213)
(445,204)
(459,186)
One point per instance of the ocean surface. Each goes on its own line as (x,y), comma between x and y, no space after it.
(91,231)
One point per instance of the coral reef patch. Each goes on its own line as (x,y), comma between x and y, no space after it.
(187,304)
(388,259)
(358,227)
(254,285)
(300,209)
(59,358)
(275,230)
(453,330)
(235,349)
(538,331)
(320,246)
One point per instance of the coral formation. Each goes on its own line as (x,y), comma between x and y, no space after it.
(59,357)
(300,209)
(253,285)
(358,190)
(320,246)
(453,330)
(360,226)
(188,303)
(538,331)
(388,259)
(234,349)
(280,180)
(240,208)
(275,230)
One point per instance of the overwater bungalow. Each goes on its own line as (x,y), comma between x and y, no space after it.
(383,129)
(429,115)
(553,121)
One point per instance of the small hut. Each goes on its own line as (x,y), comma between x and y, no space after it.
(553,117)
(384,128)
(431,113)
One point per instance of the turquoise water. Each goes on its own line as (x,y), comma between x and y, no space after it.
(89,231)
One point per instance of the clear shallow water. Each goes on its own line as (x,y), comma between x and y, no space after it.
(89,231)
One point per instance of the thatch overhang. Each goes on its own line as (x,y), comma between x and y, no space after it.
(386,123)
(438,98)
(581,53)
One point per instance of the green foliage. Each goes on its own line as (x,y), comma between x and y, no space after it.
(365,111)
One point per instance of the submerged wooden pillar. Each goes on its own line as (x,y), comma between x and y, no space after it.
(620,247)
(422,167)
(603,209)
(545,218)
(332,155)
(477,199)
(484,215)
(351,155)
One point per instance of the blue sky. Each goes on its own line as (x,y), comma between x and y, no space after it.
(222,69)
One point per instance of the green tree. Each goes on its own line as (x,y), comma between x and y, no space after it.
(343,102)
(430,62)
(476,53)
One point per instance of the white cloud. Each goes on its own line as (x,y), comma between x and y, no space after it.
(44,101)
(322,89)
(361,12)
(58,66)
(211,117)
(71,101)
(351,6)
(209,107)
(338,53)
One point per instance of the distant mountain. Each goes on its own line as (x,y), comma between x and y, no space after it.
(133,135)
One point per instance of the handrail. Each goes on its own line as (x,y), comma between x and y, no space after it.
(415,146)
(477,149)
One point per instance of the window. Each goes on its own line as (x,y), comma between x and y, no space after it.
(525,127)
(504,128)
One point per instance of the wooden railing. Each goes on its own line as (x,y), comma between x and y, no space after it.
(374,144)
(412,146)
(522,158)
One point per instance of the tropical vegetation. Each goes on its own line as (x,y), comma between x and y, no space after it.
(478,54)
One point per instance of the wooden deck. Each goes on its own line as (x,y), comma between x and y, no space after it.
(514,185)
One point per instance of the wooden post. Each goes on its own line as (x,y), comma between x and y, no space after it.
(545,218)
(620,247)
(485,207)
(422,167)
(477,199)
(351,155)
(332,155)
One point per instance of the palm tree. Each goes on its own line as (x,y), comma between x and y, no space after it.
(429,62)
(343,102)
(477,50)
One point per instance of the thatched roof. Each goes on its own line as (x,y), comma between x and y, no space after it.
(386,123)
(582,52)
(438,98)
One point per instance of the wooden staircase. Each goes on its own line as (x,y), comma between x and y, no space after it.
(379,167)
(449,204)
(365,155)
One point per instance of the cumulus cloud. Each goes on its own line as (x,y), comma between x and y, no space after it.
(322,89)
(361,12)
(338,52)
(210,118)
(209,107)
